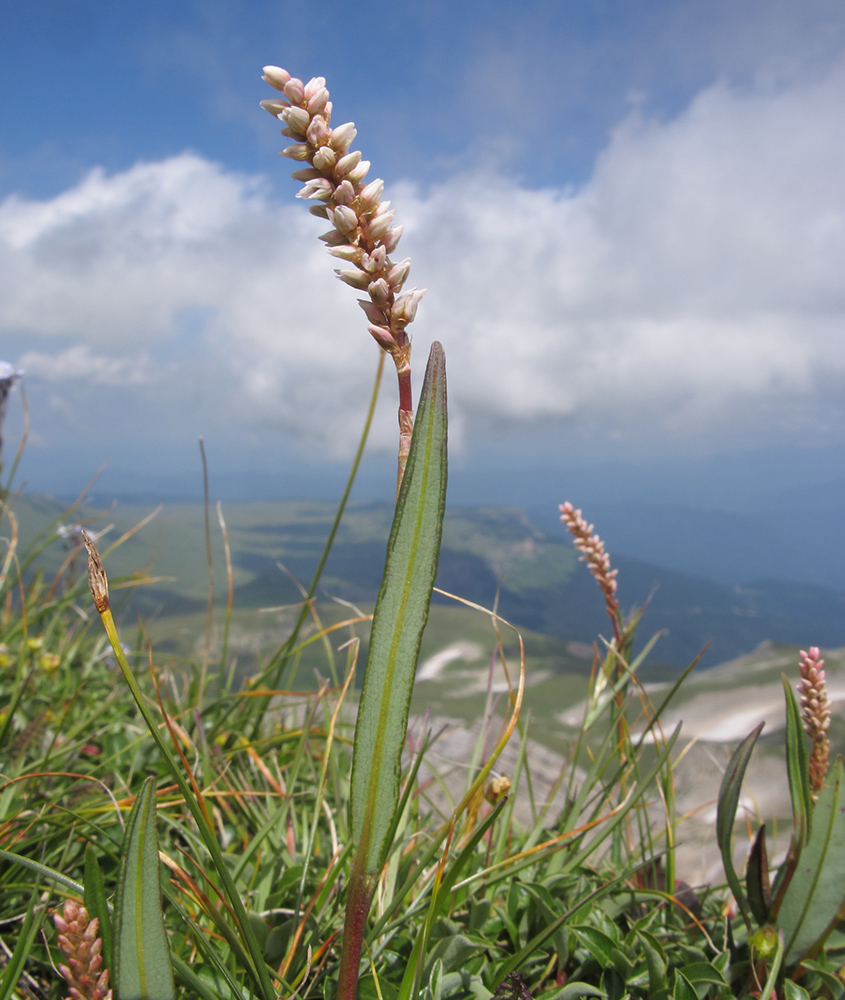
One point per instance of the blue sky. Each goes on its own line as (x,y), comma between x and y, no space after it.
(630,219)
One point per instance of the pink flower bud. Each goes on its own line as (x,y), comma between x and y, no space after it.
(383,337)
(375,261)
(375,315)
(277,78)
(320,211)
(306,174)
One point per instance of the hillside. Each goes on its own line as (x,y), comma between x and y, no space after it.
(486,551)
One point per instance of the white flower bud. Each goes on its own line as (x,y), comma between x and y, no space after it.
(318,189)
(369,197)
(405,307)
(344,193)
(379,292)
(346,163)
(314,86)
(346,251)
(318,131)
(306,174)
(276,77)
(374,262)
(397,275)
(317,101)
(324,159)
(333,238)
(297,118)
(343,218)
(357,174)
(298,151)
(392,238)
(294,91)
(342,136)
(380,224)
(274,107)
(353,277)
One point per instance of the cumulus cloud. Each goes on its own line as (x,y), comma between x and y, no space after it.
(695,279)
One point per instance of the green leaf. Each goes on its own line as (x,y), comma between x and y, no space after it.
(792,991)
(17,960)
(142,969)
(598,944)
(797,767)
(95,901)
(729,793)
(398,621)
(757,878)
(816,893)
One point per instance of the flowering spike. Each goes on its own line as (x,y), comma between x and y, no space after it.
(593,554)
(82,947)
(815,711)
(333,174)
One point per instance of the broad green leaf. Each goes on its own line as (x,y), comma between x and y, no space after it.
(398,621)
(729,793)
(797,767)
(142,969)
(816,893)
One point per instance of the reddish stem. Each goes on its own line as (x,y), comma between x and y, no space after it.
(361,888)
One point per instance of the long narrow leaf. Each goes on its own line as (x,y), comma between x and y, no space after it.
(398,621)
(797,768)
(729,793)
(142,969)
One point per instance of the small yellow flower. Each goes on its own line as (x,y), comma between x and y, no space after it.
(5,658)
(33,645)
(49,662)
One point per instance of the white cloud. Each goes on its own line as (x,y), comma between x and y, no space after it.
(696,279)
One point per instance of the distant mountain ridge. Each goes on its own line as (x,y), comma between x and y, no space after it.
(486,551)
